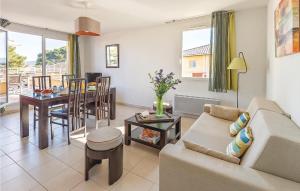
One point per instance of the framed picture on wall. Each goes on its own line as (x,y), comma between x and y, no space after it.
(287,30)
(112,56)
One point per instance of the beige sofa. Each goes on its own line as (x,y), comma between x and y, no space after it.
(271,163)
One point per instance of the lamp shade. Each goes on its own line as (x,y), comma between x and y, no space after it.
(87,26)
(237,64)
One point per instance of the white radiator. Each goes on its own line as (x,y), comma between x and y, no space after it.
(192,105)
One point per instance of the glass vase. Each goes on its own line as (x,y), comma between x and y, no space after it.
(159,106)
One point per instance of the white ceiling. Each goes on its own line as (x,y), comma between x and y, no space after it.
(114,15)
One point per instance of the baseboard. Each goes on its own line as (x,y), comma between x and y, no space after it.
(11,108)
(132,105)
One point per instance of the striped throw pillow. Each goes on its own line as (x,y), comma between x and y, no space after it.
(240,143)
(239,124)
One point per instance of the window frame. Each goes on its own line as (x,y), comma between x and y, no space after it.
(43,46)
(202,27)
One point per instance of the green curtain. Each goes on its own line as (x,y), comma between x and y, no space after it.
(74,55)
(222,51)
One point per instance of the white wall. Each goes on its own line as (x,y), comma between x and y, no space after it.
(149,49)
(282,73)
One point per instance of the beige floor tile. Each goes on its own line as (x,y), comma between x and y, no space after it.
(130,158)
(22,182)
(1,153)
(5,161)
(10,172)
(79,166)
(58,149)
(88,186)
(99,174)
(5,135)
(155,187)
(6,140)
(148,169)
(24,152)
(66,180)
(35,160)
(38,188)
(16,146)
(71,155)
(132,182)
(48,171)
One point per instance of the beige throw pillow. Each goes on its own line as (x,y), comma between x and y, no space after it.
(223,112)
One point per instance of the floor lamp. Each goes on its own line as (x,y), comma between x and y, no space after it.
(238,64)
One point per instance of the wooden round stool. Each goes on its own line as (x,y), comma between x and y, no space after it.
(105,143)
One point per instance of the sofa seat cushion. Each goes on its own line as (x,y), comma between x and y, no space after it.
(105,138)
(211,125)
(210,135)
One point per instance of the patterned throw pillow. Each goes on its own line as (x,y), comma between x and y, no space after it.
(239,124)
(240,143)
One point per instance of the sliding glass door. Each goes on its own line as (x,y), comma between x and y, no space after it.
(3,68)
(24,51)
(56,59)
(27,56)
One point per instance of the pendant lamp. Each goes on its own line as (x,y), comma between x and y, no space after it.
(87,26)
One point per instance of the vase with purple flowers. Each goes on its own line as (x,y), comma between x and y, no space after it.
(162,84)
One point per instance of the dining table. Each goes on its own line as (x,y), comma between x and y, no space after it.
(44,103)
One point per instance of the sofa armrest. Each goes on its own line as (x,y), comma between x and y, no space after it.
(183,169)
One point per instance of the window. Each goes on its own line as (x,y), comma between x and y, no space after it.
(23,51)
(25,59)
(192,64)
(56,60)
(3,66)
(196,53)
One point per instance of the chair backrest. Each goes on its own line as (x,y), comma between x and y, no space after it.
(41,82)
(65,80)
(102,97)
(77,102)
(92,76)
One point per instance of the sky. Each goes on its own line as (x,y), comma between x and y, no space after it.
(30,45)
(195,38)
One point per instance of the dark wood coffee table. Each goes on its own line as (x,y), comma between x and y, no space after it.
(169,131)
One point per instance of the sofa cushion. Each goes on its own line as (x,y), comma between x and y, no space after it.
(212,126)
(241,143)
(239,124)
(211,134)
(276,145)
(200,145)
(223,112)
(104,138)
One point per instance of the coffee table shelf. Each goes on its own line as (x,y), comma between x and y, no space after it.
(169,131)
(135,133)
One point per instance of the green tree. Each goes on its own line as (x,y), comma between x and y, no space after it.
(54,56)
(15,60)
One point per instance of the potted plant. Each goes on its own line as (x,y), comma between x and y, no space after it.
(162,84)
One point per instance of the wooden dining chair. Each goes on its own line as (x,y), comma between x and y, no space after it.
(39,83)
(65,80)
(75,109)
(101,108)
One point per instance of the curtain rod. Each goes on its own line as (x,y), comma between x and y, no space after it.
(192,18)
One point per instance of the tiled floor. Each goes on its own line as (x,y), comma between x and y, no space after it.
(60,166)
